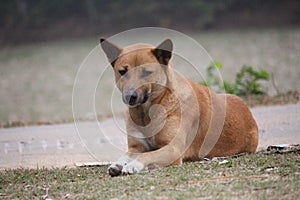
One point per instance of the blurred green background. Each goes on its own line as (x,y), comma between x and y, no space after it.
(44,42)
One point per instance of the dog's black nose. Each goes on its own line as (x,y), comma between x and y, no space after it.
(131,98)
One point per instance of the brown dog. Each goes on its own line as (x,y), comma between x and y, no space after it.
(170,119)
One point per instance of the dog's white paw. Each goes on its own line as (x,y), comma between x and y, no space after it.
(133,167)
(115,169)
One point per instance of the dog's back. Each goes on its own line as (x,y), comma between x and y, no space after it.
(239,132)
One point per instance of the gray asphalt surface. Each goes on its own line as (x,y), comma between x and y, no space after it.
(78,143)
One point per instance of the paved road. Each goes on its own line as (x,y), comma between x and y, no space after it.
(67,144)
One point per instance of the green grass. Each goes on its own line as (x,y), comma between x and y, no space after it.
(272,176)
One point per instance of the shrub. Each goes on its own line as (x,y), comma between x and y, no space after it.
(247,80)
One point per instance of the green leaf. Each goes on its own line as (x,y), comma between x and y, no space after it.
(217,64)
(204,83)
(229,87)
(264,75)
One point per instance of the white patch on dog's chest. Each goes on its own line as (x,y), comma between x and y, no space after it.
(148,143)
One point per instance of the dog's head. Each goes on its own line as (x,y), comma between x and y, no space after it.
(140,69)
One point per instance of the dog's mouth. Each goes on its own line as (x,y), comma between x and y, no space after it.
(132,98)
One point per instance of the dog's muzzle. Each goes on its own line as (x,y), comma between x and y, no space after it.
(132,98)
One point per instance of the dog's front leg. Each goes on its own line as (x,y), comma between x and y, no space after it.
(166,156)
(135,148)
(175,138)
(115,169)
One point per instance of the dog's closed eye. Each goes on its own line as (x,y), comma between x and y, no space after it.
(145,73)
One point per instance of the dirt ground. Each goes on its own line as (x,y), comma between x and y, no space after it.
(105,141)
(37,81)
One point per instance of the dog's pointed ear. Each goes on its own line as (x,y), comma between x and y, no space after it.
(111,50)
(163,52)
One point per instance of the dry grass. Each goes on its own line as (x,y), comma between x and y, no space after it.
(37,80)
(262,176)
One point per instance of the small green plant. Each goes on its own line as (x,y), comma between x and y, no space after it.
(213,80)
(246,80)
